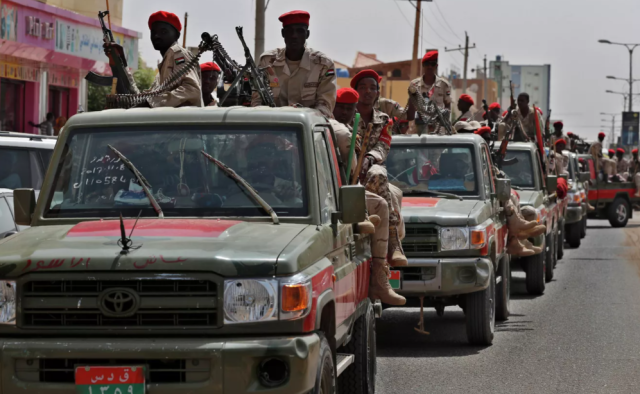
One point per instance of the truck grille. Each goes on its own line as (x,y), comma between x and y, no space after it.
(158,303)
(418,273)
(62,370)
(420,239)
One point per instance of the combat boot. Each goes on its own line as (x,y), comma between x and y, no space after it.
(379,287)
(396,254)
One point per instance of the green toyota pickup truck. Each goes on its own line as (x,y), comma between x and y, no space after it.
(455,228)
(209,248)
(539,191)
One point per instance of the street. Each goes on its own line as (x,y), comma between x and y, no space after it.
(581,336)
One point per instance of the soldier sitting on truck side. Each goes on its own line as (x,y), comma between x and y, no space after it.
(634,174)
(604,166)
(623,165)
(165,31)
(379,288)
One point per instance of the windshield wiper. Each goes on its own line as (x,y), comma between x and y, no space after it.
(242,183)
(143,181)
(434,193)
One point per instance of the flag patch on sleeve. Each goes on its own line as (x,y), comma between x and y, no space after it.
(180,60)
(330,73)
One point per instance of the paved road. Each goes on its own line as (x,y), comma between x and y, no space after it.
(581,336)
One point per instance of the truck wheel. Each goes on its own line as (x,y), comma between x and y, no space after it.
(550,254)
(360,378)
(326,374)
(618,212)
(583,229)
(573,234)
(535,269)
(560,242)
(481,314)
(503,290)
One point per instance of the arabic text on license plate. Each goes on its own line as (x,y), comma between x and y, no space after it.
(110,380)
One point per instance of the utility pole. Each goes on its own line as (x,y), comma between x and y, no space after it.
(484,84)
(630,48)
(261,8)
(466,58)
(416,41)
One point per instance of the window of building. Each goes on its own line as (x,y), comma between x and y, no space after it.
(11,105)
(397,73)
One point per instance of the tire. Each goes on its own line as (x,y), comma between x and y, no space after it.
(535,269)
(550,257)
(360,378)
(583,229)
(503,290)
(560,242)
(326,373)
(573,234)
(481,314)
(618,212)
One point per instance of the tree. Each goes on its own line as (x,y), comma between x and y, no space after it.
(143,76)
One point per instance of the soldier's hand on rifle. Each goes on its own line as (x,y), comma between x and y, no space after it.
(108,46)
(366,165)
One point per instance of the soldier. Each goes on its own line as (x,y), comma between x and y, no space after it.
(165,31)
(299,76)
(432,87)
(623,165)
(526,115)
(465,102)
(634,175)
(210,75)
(485,133)
(557,133)
(343,113)
(374,175)
(559,159)
(612,154)
(604,166)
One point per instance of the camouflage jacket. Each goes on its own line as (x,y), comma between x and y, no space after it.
(380,137)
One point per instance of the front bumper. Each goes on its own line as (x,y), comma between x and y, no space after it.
(211,365)
(452,276)
(573,214)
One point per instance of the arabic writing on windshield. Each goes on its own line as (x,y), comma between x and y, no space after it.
(93,182)
(440,168)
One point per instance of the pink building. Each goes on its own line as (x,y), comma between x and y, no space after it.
(45,52)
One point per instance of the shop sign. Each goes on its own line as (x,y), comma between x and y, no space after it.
(8,22)
(62,78)
(37,28)
(17,71)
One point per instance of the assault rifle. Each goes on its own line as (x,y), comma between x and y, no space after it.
(257,77)
(547,127)
(117,62)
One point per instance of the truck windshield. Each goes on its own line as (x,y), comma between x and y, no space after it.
(520,173)
(91,181)
(438,168)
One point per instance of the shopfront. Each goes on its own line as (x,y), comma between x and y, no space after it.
(45,52)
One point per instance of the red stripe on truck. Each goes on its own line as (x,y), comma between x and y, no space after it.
(206,228)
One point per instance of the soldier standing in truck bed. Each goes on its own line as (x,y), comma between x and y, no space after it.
(165,31)
(299,76)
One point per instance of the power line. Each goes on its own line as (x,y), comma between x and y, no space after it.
(445,20)
(435,31)
(403,15)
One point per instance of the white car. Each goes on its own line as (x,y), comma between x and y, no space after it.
(24,159)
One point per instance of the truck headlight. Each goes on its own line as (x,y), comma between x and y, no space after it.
(250,300)
(454,238)
(8,302)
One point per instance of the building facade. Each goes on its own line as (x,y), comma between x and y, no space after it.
(46,51)
(532,79)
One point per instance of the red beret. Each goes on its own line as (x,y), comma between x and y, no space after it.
(347,96)
(365,74)
(611,151)
(505,113)
(431,56)
(560,141)
(570,134)
(167,17)
(209,66)
(295,18)
(562,188)
(600,135)
(467,99)
(558,123)
(634,151)
(482,130)
(620,150)
(494,106)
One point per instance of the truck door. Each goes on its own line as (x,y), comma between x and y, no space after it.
(345,271)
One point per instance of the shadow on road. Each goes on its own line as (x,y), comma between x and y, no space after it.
(611,228)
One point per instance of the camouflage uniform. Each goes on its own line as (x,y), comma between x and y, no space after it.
(622,167)
(529,122)
(635,175)
(310,82)
(440,91)
(391,108)
(188,93)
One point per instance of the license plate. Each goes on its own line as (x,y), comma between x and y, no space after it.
(110,380)
(395,279)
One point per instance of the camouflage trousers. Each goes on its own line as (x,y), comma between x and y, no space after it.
(377,182)
(377,205)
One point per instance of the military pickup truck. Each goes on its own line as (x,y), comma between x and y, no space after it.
(539,191)
(455,228)
(219,279)
(575,224)
(613,201)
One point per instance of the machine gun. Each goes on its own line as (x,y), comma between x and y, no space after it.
(117,62)
(428,110)
(258,79)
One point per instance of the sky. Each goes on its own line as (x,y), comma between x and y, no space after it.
(562,33)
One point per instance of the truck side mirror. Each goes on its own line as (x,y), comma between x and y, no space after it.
(24,202)
(552,184)
(503,189)
(565,177)
(584,176)
(353,204)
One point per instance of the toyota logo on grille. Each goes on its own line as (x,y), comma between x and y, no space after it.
(119,302)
